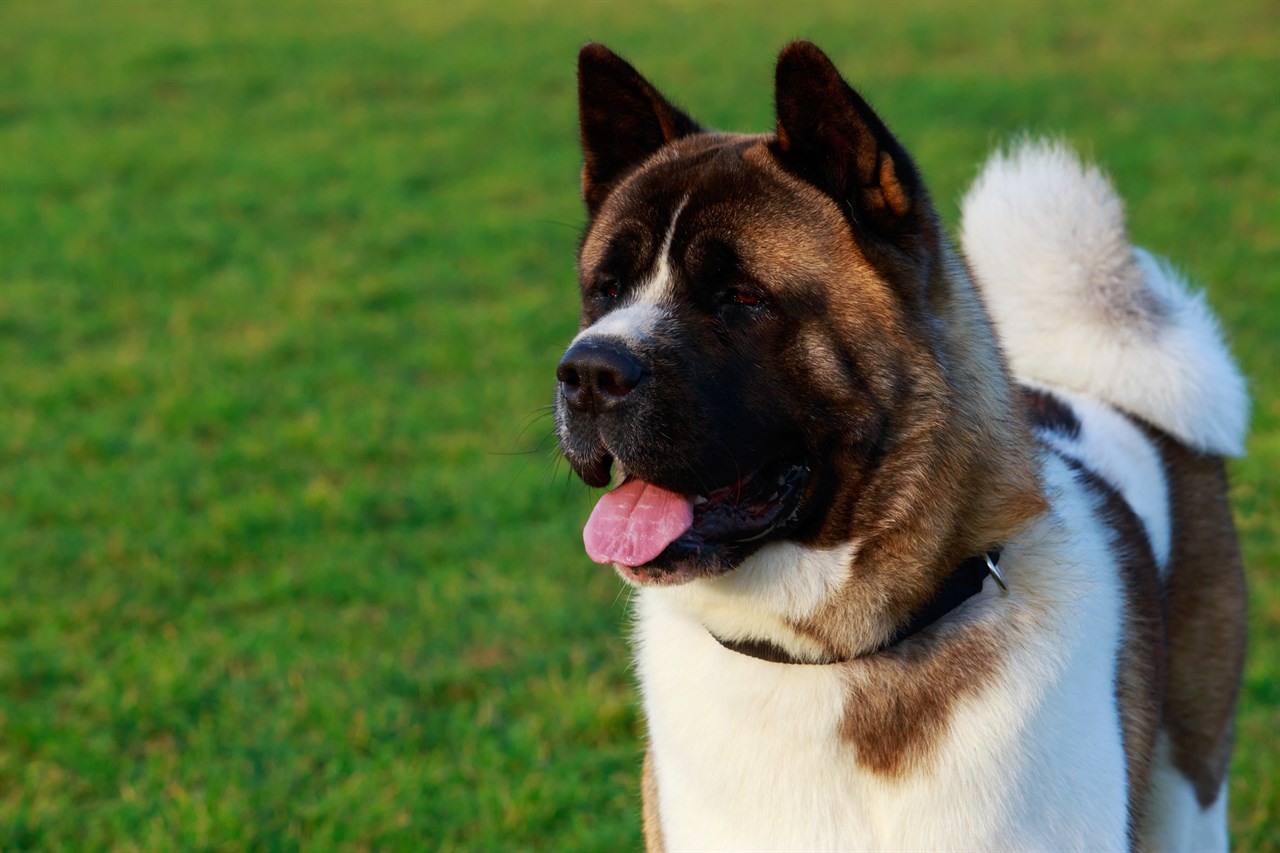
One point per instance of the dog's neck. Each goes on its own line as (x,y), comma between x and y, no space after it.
(961,478)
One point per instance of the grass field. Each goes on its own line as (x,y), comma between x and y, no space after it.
(285,558)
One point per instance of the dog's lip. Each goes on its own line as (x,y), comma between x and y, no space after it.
(594,470)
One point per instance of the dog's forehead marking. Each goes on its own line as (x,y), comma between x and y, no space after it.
(657,288)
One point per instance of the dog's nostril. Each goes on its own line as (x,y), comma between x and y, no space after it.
(618,384)
(568,375)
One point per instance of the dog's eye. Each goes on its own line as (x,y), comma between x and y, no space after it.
(746,298)
(608,287)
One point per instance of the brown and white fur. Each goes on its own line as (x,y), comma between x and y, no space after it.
(1056,392)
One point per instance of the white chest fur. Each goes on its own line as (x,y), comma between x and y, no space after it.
(747,753)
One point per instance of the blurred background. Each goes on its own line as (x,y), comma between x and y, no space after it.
(286,557)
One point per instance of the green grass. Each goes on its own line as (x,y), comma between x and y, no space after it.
(285,559)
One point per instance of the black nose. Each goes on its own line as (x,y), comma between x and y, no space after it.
(598,375)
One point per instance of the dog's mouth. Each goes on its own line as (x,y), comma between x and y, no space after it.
(656,536)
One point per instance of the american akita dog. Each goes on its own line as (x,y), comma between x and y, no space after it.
(931,552)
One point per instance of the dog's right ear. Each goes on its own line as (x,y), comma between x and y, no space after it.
(622,119)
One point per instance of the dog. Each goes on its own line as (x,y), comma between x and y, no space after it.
(931,551)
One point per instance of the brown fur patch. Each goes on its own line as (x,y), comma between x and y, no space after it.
(950,473)
(1205,617)
(1140,664)
(900,701)
(653,840)
(953,479)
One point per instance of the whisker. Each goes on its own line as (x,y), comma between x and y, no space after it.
(540,447)
(530,421)
(571,226)
(554,473)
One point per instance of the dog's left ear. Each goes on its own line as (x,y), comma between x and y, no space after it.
(829,136)
(623,119)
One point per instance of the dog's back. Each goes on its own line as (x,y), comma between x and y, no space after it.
(1128,380)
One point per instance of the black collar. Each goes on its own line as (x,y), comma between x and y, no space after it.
(958,587)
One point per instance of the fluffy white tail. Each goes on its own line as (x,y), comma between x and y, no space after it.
(1077,306)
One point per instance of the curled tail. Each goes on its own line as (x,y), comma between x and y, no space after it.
(1077,306)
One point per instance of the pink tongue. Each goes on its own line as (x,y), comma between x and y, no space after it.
(633,523)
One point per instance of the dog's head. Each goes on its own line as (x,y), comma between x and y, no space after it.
(763,351)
